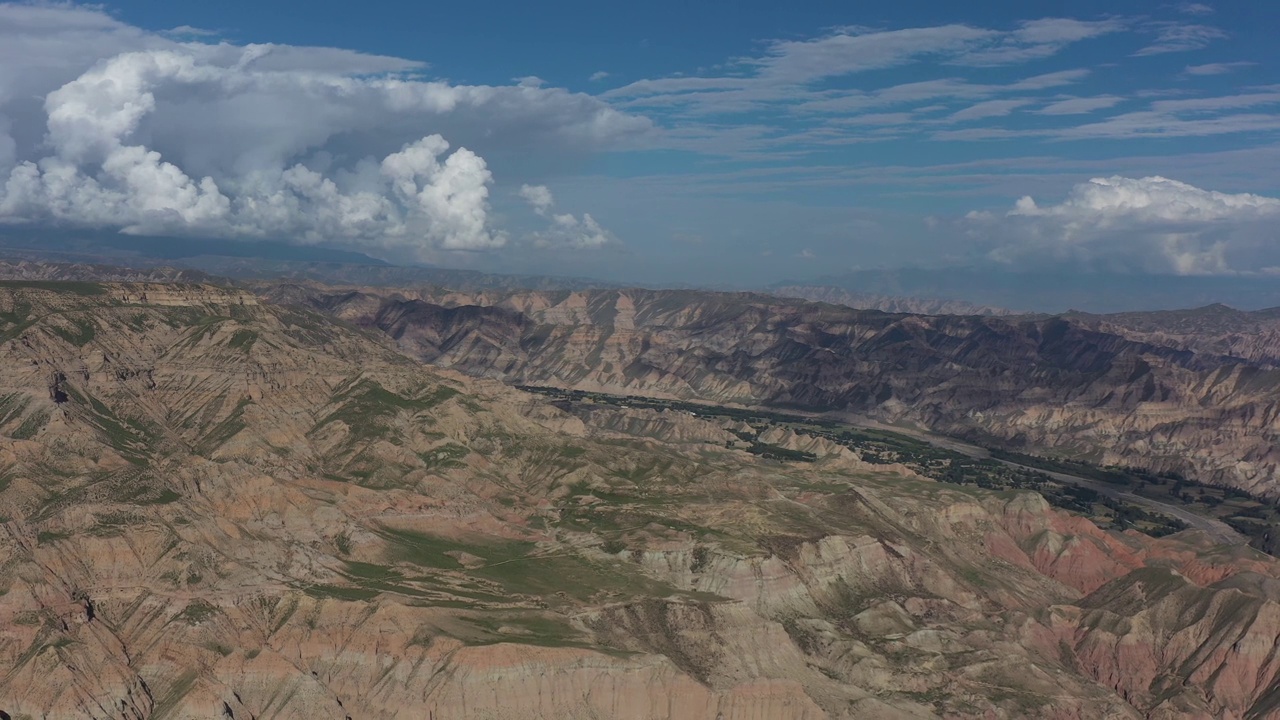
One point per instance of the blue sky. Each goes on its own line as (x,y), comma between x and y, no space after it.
(730,143)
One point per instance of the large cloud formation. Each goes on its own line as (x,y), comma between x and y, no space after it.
(106,125)
(1151,224)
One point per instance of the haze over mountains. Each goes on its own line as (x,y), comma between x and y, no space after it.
(955,290)
(1057,291)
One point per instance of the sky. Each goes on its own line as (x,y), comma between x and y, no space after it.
(724,143)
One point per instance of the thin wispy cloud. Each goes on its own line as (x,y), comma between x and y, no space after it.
(1221,68)
(187,31)
(856,50)
(1128,126)
(1050,80)
(1080,105)
(816,84)
(1216,104)
(1176,37)
(1163,125)
(789,71)
(1037,39)
(988,109)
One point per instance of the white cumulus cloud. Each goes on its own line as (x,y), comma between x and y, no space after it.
(565,230)
(109,126)
(1150,224)
(539,198)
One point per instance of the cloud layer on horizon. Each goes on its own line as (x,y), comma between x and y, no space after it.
(1151,224)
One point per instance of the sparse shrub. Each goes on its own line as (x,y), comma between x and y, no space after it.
(342,541)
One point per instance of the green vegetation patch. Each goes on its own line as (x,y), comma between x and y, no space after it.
(342,542)
(203,326)
(225,430)
(306,327)
(445,457)
(196,612)
(545,629)
(164,497)
(138,322)
(430,551)
(521,568)
(19,315)
(47,537)
(31,425)
(367,469)
(170,699)
(344,593)
(366,408)
(115,523)
(775,452)
(221,648)
(79,334)
(131,438)
(243,340)
(141,489)
(12,406)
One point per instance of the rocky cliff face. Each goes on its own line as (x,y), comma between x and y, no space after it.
(216,508)
(1111,389)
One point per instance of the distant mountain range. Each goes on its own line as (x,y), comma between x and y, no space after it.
(1058,292)
(99,246)
(258,260)
(950,291)
(886,303)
